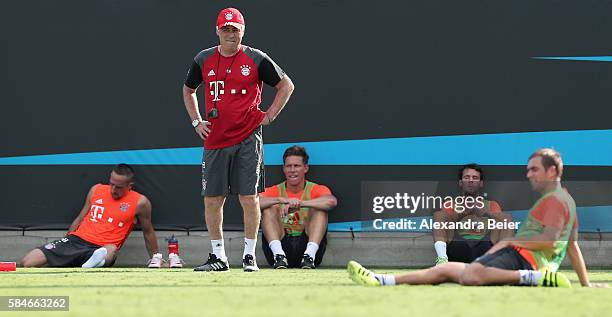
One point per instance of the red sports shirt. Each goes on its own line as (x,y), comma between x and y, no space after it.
(108,221)
(233,85)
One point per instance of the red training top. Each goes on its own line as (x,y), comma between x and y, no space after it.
(109,221)
(233,85)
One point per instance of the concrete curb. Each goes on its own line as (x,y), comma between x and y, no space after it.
(370,248)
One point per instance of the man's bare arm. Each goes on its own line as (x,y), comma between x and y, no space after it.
(191,104)
(326,202)
(577,260)
(267,202)
(575,255)
(284,89)
(143,213)
(289,203)
(77,221)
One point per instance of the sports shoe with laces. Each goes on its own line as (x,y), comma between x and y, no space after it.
(307,262)
(156,261)
(554,279)
(361,275)
(213,264)
(175,260)
(441,260)
(280,262)
(249,264)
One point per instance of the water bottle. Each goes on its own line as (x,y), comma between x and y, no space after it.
(173,246)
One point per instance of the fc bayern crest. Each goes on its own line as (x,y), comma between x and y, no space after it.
(124,207)
(229,16)
(245,70)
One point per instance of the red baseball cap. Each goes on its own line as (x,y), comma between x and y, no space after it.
(230,16)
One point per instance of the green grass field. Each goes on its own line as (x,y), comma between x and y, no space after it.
(322,292)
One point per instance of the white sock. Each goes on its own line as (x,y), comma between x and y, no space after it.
(440,247)
(311,249)
(97,259)
(249,247)
(385,279)
(276,247)
(529,277)
(218,249)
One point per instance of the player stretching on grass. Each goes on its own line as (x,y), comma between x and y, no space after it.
(530,258)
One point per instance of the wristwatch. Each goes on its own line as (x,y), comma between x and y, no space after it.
(196,122)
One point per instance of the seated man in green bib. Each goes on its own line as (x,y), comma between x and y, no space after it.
(294,216)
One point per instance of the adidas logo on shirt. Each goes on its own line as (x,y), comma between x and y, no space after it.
(211,73)
(99,201)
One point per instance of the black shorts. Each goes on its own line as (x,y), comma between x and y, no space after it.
(294,247)
(467,251)
(236,169)
(507,258)
(70,251)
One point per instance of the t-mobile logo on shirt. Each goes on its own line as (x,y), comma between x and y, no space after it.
(96,212)
(216,91)
(217,88)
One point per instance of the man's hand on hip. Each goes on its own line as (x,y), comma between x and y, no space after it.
(203,129)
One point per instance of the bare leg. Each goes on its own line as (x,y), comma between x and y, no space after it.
(316,225)
(34,258)
(271,223)
(477,274)
(111,254)
(447,272)
(252,215)
(213,212)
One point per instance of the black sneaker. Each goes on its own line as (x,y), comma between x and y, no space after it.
(213,264)
(280,262)
(249,264)
(307,262)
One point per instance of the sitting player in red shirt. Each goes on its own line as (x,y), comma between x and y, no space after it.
(101,228)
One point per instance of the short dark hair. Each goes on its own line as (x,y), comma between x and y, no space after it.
(472,166)
(550,158)
(124,170)
(296,150)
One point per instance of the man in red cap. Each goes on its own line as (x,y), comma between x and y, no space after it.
(233,75)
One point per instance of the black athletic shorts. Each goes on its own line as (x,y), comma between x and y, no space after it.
(294,247)
(467,251)
(70,251)
(507,258)
(236,169)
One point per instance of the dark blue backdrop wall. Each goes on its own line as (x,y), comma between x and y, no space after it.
(425,85)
